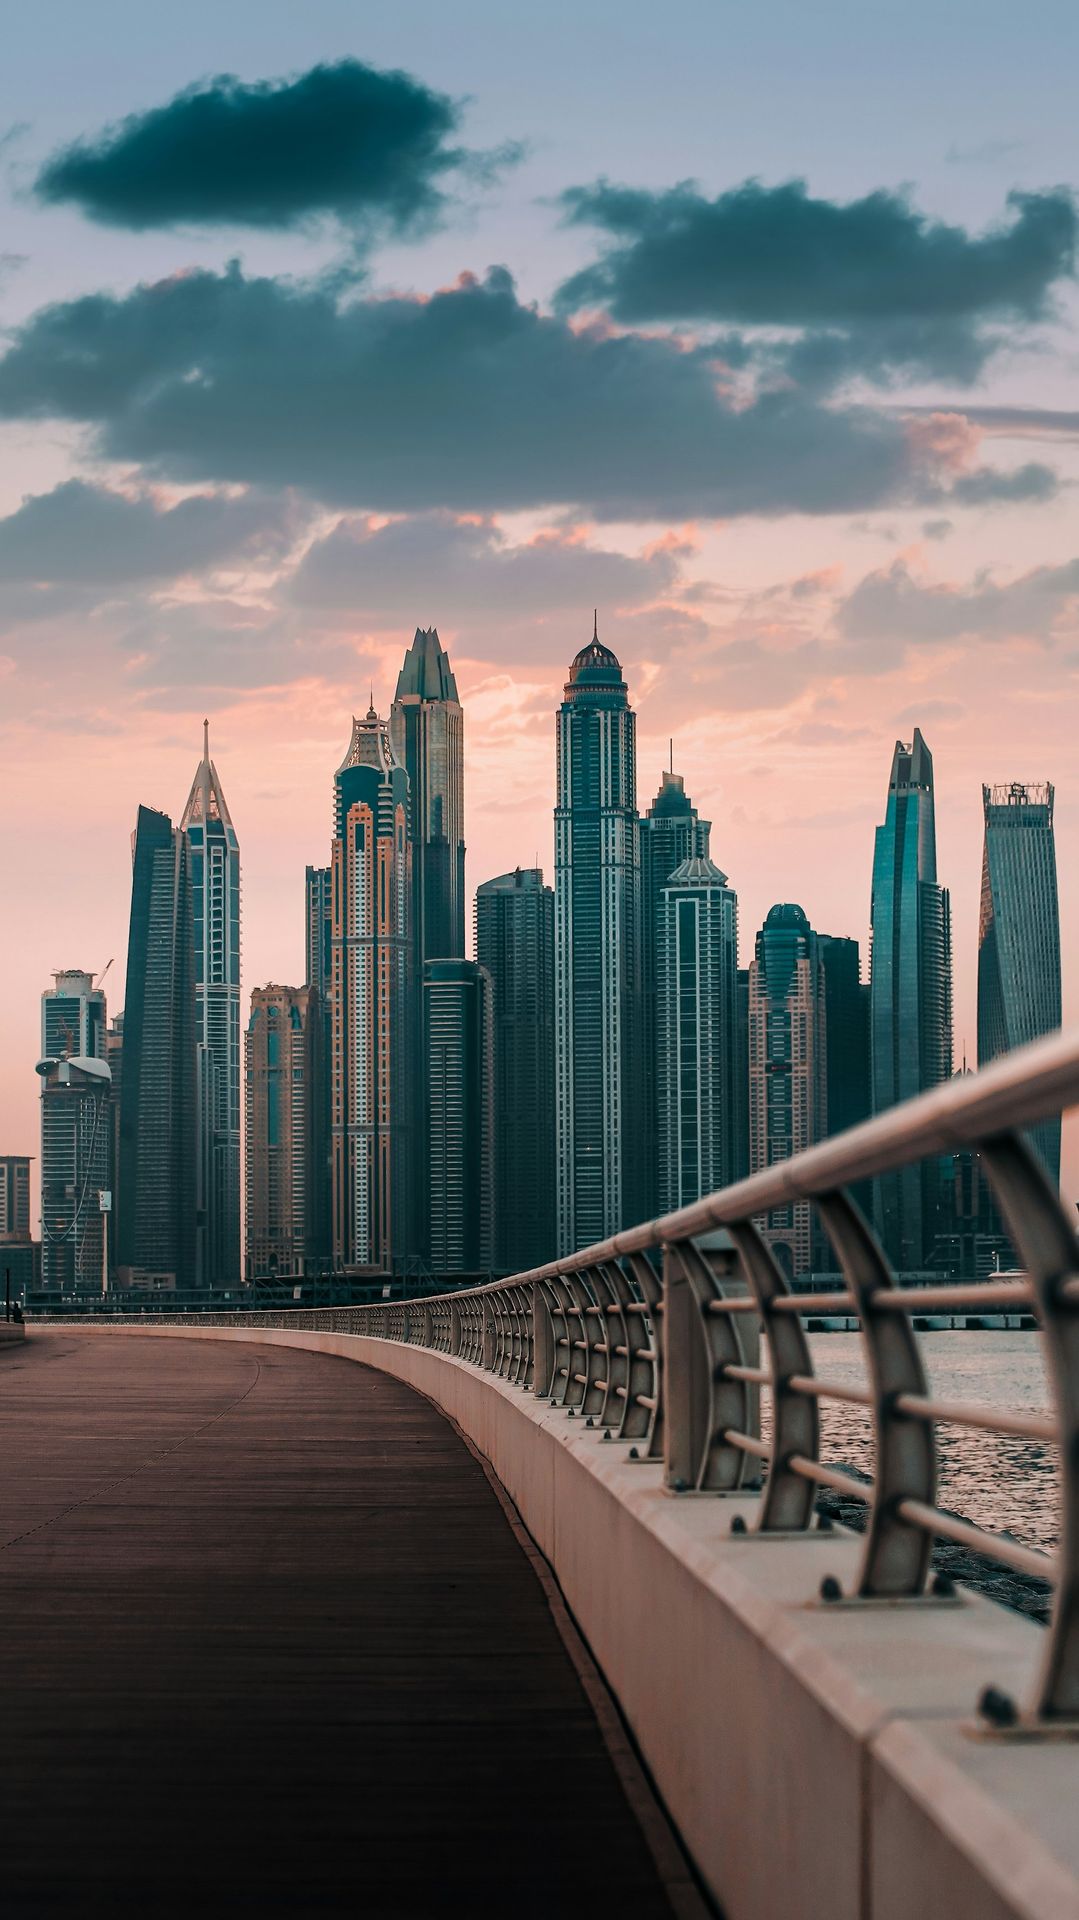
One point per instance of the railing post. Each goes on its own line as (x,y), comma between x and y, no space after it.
(700,1403)
(455,1327)
(490,1334)
(542,1343)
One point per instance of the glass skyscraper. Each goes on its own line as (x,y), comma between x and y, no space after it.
(671,832)
(788,1099)
(598,1040)
(460,1095)
(371,865)
(75,1132)
(215,890)
(515,943)
(159,1122)
(697,1058)
(285,1070)
(1019,934)
(910,990)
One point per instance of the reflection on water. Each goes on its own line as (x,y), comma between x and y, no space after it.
(1001,1483)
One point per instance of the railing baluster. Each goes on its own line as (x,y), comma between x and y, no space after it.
(789,1498)
(702,1403)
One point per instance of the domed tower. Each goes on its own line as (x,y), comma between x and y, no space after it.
(370,878)
(598,1046)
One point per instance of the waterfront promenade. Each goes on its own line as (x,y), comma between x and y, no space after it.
(274,1643)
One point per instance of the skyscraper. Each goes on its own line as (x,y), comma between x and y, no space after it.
(460,1092)
(318,943)
(215,890)
(283,1119)
(515,943)
(75,1083)
(787,1069)
(373,1224)
(846,1002)
(697,1060)
(598,1016)
(14,1197)
(1019,934)
(671,832)
(910,990)
(157,1224)
(427,728)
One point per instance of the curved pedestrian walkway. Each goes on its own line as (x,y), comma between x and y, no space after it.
(272,1643)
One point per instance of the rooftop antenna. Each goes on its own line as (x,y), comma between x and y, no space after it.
(672,753)
(206,739)
(595,625)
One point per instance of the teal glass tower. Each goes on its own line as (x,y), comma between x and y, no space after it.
(910,990)
(515,944)
(788,1083)
(598,1044)
(215,889)
(1019,934)
(699,1110)
(460,1097)
(671,832)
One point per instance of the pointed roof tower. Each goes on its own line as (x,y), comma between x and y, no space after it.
(206,801)
(370,745)
(426,673)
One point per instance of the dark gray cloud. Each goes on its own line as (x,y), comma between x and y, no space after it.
(469,400)
(991,486)
(342,140)
(90,536)
(437,566)
(878,288)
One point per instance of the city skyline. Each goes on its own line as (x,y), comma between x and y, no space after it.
(841,508)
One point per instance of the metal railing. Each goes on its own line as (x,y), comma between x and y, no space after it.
(655,1335)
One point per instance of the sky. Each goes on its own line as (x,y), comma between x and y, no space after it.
(753,326)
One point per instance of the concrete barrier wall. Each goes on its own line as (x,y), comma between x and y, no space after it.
(820,1760)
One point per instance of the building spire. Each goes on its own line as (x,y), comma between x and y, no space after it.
(595,623)
(206,740)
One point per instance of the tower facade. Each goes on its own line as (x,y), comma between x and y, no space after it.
(75,1085)
(910,989)
(372,880)
(427,728)
(515,945)
(671,832)
(14,1198)
(696,1023)
(460,1092)
(284,1070)
(318,946)
(1019,934)
(787,1069)
(160,1135)
(598,1026)
(215,892)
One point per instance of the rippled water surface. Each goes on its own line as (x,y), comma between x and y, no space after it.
(1000,1483)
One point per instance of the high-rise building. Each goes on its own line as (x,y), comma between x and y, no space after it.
(598,1014)
(283,1118)
(671,832)
(373,1220)
(846,1002)
(787,1069)
(215,891)
(699,1109)
(427,728)
(742,1136)
(14,1198)
(460,1093)
(157,1225)
(318,944)
(515,943)
(910,991)
(75,1083)
(1019,934)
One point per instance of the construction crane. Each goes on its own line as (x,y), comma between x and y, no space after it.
(102,974)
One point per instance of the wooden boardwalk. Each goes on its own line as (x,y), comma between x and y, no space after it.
(270,1644)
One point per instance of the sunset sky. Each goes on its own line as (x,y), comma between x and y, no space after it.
(753,326)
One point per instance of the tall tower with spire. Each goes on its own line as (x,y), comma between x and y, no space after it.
(672,832)
(597,954)
(427,727)
(214,865)
(373,1224)
(910,993)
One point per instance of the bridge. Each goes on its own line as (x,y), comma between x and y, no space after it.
(520,1597)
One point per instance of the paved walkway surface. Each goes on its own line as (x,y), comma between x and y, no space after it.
(269,1643)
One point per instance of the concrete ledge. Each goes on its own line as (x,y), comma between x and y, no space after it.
(815,1757)
(11,1333)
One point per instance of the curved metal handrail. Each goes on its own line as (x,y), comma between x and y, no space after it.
(671,1357)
